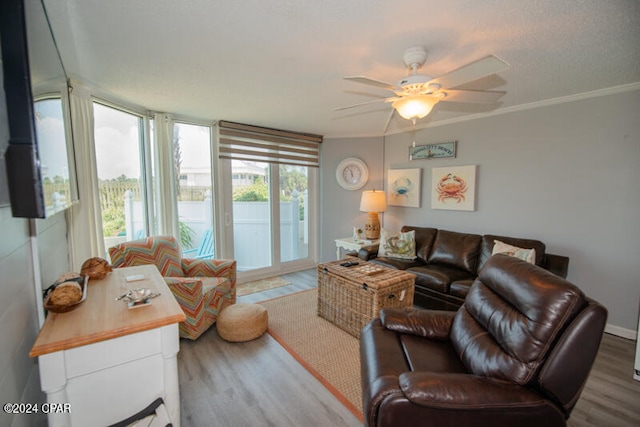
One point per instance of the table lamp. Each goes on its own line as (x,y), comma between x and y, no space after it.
(373,202)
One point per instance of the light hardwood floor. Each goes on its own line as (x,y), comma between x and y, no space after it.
(259,384)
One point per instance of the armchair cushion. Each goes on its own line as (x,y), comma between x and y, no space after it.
(510,318)
(464,390)
(161,251)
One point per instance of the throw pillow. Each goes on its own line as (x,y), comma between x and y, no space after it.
(397,244)
(528,255)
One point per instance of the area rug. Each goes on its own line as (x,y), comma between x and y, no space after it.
(326,351)
(260,285)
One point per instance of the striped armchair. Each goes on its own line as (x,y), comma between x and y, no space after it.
(202,287)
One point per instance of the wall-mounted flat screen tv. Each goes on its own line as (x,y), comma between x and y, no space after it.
(38,168)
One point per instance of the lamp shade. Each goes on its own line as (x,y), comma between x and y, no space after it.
(414,106)
(373,201)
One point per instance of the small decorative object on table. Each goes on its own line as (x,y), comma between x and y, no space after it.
(138,297)
(358,234)
(96,268)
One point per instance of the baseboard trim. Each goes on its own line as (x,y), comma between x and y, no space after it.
(629,334)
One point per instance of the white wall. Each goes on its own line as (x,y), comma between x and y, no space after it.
(339,208)
(567,174)
(19,324)
(18,317)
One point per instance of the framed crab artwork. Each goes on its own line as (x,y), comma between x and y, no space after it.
(454,188)
(404,187)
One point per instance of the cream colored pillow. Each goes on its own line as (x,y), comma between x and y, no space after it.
(397,244)
(528,255)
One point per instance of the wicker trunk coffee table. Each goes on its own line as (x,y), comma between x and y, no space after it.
(350,297)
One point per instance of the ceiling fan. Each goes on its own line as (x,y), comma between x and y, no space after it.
(416,94)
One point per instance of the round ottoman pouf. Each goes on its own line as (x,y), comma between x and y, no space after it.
(242,322)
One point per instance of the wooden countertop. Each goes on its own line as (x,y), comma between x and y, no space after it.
(100,317)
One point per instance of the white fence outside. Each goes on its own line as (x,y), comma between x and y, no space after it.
(251,228)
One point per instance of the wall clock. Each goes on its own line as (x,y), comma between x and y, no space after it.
(352,173)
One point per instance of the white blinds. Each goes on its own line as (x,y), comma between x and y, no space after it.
(253,143)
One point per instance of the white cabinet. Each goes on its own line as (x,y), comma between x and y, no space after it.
(106,361)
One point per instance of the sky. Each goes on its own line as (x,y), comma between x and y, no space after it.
(117,144)
(50,135)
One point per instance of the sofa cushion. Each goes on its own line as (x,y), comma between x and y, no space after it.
(460,288)
(438,277)
(397,244)
(528,255)
(488,241)
(459,250)
(397,263)
(424,240)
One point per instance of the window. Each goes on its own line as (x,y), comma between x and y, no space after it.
(118,144)
(57,185)
(192,156)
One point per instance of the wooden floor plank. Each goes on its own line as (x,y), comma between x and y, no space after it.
(259,384)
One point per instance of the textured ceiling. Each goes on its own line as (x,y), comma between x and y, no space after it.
(280,63)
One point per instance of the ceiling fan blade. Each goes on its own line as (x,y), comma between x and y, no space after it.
(371,82)
(472,96)
(470,72)
(386,126)
(360,104)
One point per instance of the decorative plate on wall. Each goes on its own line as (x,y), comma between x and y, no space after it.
(352,173)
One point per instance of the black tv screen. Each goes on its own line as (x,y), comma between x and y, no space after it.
(21,155)
(38,153)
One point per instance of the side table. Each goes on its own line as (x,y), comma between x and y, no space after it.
(348,243)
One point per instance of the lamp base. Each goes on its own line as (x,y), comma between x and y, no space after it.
(372,226)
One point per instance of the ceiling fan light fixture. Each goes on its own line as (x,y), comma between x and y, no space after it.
(415,106)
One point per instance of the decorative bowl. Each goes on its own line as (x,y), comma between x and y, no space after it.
(137,295)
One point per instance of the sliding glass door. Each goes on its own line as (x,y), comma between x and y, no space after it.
(269,186)
(293,193)
(252,214)
(269,216)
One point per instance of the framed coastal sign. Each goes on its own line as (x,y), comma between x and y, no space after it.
(433,151)
(404,187)
(454,187)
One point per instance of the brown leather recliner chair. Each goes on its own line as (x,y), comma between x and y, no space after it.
(517,353)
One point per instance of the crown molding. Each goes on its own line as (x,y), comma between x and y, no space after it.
(530,106)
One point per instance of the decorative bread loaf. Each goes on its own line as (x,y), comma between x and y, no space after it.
(66,293)
(96,268)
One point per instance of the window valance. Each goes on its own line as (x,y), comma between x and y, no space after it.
(258,144)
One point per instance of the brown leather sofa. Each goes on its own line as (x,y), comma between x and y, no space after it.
(517,353)
(447,263)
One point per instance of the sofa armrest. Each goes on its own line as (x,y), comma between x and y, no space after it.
(368,253)
(557,264)
(449,390)
(433,324)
